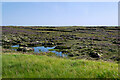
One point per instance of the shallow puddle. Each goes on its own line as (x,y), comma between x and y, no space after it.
(39,49)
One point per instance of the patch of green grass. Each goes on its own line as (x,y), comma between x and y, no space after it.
(54,50)
(34,66)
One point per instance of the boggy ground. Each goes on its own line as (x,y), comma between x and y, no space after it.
(76,41)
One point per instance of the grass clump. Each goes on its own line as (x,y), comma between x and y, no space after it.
(34,66)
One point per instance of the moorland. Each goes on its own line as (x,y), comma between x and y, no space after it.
(90,52)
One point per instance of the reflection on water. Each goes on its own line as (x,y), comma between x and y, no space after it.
(42,49)
(15,46)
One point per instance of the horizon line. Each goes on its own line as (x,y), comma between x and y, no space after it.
(59,25)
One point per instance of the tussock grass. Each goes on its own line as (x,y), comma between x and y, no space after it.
(34,66)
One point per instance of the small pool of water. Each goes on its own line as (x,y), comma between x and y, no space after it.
(14,47)
(42,49)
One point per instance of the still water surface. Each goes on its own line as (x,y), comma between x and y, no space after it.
(39,49)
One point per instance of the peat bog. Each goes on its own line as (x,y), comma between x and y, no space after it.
(92,43)
(60,52)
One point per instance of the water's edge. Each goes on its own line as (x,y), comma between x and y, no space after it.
(39,49)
